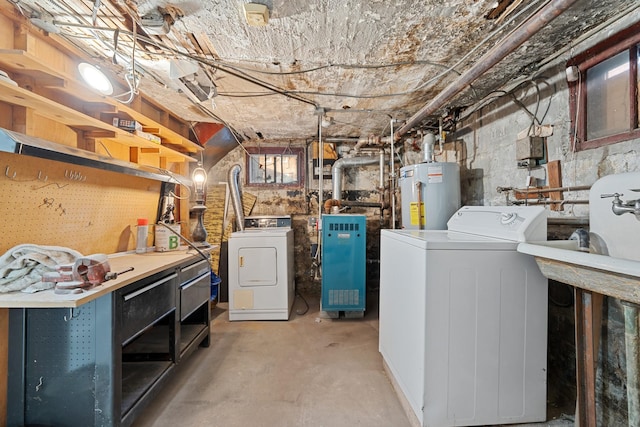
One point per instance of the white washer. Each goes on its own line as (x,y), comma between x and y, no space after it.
(261,276)
(463,318)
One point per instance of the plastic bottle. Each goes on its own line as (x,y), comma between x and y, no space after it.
(143,230)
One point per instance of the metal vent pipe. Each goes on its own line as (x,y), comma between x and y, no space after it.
(336,171)
(233,180)
(520,35)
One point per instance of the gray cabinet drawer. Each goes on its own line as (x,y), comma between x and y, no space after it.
(145,305)
(193,294)
(194,270)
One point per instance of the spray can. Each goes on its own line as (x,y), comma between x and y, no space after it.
(143,231)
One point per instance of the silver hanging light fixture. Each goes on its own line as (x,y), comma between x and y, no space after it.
(199,234)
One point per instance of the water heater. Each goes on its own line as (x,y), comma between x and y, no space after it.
(430,194)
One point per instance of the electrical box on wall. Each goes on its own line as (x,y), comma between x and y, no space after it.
(530,147)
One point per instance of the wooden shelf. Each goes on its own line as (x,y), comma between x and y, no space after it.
(18,96)
(163,131)
(22,62)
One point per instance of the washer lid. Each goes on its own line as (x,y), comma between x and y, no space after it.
(514,223)
(448,240)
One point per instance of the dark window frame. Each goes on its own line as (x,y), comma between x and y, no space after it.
(299,151)
(625,40)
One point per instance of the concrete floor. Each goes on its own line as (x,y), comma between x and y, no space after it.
(309,371)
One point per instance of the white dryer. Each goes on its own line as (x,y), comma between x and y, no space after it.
(261,275)
(463,318)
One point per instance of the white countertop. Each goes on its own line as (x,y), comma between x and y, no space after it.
(144,265)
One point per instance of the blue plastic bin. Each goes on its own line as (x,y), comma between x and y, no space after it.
(215,283)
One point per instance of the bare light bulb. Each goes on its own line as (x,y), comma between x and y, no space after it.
(199,177)
(95,78)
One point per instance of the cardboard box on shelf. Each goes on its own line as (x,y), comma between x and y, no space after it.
(148,136)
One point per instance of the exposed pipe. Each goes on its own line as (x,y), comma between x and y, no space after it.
(419,191)
(336,171)
(632,345)
(381,186)
(550,190)
(363,204)
(362,142)
(340,139)
(428,143)
(233,180)
(392,181)
(550,202)
(514,40)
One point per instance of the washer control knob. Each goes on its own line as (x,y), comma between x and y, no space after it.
(508,217)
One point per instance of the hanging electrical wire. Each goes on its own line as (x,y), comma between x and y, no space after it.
(130,76)
(241,72)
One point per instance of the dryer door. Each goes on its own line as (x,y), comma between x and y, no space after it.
(257,267)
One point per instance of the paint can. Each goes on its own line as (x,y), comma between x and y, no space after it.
(166,239)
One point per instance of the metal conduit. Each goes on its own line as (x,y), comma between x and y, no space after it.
(520,35)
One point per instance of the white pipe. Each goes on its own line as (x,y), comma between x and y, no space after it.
(320,201)
(381,186)
(440,137)
(392,181)
(320,171)
(336,171)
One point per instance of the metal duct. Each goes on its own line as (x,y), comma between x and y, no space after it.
(233,179)
(428,142)
(336,171)
(520,35)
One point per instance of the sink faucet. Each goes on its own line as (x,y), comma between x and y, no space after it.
(619,207)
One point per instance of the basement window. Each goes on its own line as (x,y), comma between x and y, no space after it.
(604,99)
(280,167)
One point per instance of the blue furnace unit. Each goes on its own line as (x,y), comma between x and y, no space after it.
(344,241)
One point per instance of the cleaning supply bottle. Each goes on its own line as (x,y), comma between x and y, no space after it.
(143,230)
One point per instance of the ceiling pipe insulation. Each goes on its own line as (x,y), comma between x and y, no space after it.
(520,35)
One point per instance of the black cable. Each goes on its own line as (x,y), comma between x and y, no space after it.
(202,254)
(562,304)
(223,68)
(347,66)
(302,313)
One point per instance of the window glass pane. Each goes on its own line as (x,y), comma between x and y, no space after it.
(608,109)
(270,169)
(289,169)
(257,169)
(274,167)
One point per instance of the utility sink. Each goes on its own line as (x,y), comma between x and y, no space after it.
(612,265)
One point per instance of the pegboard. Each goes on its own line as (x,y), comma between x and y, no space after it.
(86,209)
